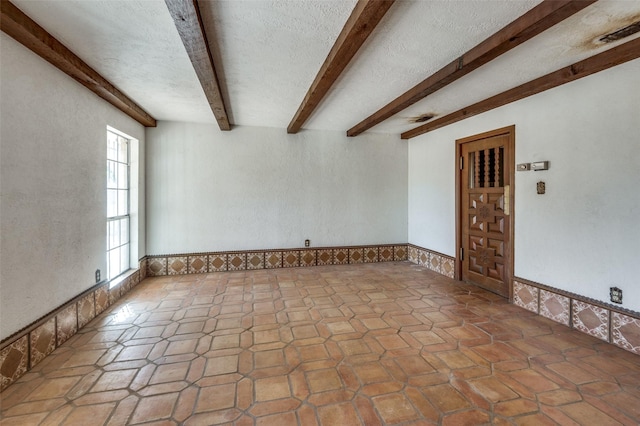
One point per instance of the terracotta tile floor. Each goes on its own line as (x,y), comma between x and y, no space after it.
(386,343)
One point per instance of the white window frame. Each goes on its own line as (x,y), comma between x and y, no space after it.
(118,204)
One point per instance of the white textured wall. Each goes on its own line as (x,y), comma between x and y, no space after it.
(52,186)
(260,188)
(432,194)
(583,234)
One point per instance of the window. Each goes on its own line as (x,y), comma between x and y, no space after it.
(118,212)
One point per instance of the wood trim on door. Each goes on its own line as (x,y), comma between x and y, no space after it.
(509,131)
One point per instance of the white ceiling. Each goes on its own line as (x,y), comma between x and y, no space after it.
(271,51)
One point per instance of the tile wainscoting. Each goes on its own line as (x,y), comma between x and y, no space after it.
(432,260)
(606,322)
(199,263)
(29,346)
(609,323)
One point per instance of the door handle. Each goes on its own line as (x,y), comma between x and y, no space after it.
(507,200)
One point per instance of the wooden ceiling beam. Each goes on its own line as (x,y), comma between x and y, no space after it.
(600,62)
(363,20)
(543,16)
(27,32)
(186,16)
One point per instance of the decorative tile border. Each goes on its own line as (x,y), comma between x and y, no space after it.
(525,296)
(273,259)
(177,265)
(625,332)
(14,360)
(291,259)
(156,266)
(29,346)
(237,261)
(66,324)
(447,267)
(371,255)
(432,260)
(610,323)
(590,319)
(324,257)
(255,261)
(308,258)
(555,306)
(101,296)
(386,254)
(341,256)
(412,253)
(198,263)
(142,271)
(42,341)
(399,253)
(217,263)
(356,255)
(424,259)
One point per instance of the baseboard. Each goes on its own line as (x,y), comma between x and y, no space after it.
(609,323)
(432,260)
(199,263)
(24,349)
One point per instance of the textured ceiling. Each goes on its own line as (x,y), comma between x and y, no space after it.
(568,42)
(133,44)
(271,51)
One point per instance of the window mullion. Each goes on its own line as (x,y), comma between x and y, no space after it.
(118,204)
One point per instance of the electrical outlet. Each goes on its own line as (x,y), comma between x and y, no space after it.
(616,294)
(97,275)
(307,243)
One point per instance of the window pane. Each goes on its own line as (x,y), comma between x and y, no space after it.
(112,178)
(124,231)
(112,202)
(123,202)
(123,156)
(124,258)
(118,249)
(122,176)
(112,146)
(114,233)
(114,263)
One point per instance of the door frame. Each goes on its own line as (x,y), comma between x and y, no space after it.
(510,132)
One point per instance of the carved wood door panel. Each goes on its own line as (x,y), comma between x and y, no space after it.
(486,206)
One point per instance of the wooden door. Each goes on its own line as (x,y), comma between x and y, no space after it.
(486,210)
